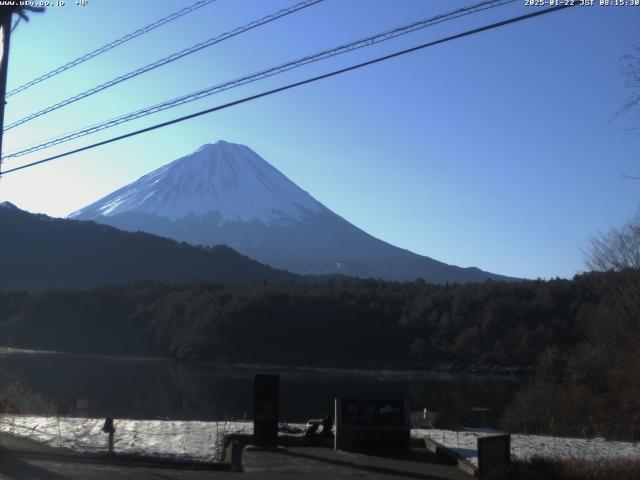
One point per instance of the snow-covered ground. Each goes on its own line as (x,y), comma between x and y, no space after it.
(184,440)
(526,446)
(204,441)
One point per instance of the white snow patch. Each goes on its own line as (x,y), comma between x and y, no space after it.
(181,440)
(222,178)
(204,441)
(465,444)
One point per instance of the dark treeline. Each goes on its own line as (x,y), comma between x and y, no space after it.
(355,323)
(591,387)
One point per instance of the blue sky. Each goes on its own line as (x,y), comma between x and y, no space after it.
(500,150)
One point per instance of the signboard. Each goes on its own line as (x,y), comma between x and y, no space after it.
(493,452)
(266,406)
(372,412)
(371,425)
(82,407)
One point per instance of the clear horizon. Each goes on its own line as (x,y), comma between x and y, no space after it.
(501,150)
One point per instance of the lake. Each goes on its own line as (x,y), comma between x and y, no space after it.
(139,388)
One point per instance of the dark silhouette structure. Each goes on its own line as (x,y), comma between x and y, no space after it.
(6,15)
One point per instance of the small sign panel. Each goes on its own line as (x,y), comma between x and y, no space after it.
(82,408)
(373,412)
(372,425)
(493,453)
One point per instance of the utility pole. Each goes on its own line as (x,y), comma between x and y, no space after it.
(5,19)
(6,14)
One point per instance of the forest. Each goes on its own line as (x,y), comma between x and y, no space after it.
(348,323)
(578,338)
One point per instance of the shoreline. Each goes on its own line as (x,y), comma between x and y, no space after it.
(444,370)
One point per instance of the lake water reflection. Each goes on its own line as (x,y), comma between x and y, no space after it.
(156,388)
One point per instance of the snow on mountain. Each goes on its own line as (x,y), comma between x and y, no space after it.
(225,193)
(228,179)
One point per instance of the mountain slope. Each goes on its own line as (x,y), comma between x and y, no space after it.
(43,252)
(225,193)
(229,179)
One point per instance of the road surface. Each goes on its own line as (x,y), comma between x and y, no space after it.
(25,459)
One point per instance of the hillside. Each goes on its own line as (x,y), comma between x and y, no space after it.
(42,252)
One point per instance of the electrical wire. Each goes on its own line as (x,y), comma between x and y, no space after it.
(164,61)
(111,45)
(297,84)
(364,42)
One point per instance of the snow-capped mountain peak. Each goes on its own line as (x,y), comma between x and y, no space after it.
(224,193)
(227,180)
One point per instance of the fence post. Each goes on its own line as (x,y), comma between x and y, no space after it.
(110,443)
(236,455)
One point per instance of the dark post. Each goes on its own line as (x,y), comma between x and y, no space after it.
(494,452)
(236,456)
(110,443)
(266,406)
(110,429)
(5,19)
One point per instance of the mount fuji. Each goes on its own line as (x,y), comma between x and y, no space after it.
(225,193)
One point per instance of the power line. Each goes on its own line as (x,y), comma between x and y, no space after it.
(113,44)
(166,60)
(365,42)
(296,84)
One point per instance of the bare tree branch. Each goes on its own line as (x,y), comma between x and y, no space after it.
(616,250)
(628,177)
